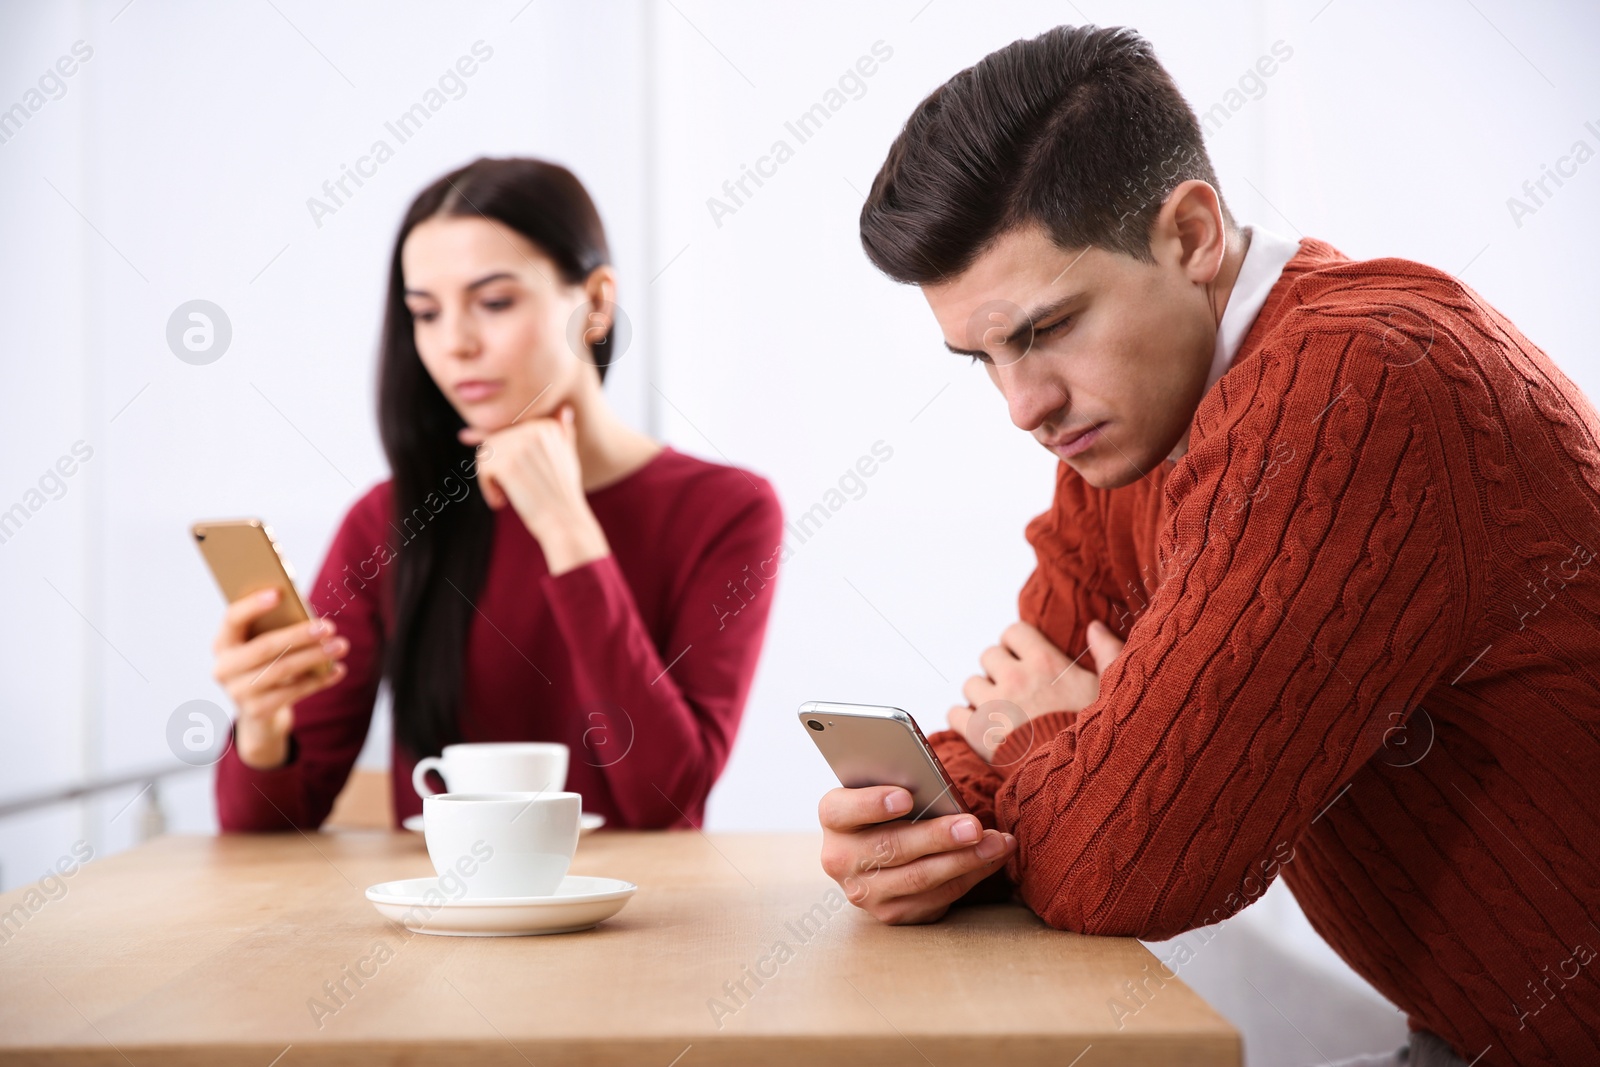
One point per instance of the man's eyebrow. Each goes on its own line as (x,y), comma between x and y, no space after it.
(1038,314)
(485,280)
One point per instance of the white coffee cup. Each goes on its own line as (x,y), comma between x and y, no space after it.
(502,844)
(496,767)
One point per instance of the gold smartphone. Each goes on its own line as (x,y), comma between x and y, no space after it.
(244,559)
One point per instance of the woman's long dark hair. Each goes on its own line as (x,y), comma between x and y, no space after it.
(439,565)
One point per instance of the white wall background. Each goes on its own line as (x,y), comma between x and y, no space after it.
(177,163)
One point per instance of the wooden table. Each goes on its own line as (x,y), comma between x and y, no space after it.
(192,950)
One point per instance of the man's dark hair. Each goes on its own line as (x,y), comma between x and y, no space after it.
(1080,130)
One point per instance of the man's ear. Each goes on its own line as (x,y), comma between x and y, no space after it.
(1190,231)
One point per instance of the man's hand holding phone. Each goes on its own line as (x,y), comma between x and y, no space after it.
(903,872)
(912,871)
(266,674)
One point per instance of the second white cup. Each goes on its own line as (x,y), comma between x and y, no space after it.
(496,767)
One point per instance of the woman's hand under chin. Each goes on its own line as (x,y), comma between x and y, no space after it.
(533,466)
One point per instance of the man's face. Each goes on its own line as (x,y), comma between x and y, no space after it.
(1086,339)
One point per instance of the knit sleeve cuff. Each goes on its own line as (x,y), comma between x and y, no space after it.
(1029,738)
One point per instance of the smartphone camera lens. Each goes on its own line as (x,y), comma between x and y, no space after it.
(814,724)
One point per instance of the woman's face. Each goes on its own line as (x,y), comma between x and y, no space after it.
(492,320)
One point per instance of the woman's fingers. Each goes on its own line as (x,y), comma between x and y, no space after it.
(258,652)
(266,674)
(487,472)
(240,614)
(269,712)
(493,495)
(288,667)
(311,683)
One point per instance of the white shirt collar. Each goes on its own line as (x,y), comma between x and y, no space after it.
(1263,265)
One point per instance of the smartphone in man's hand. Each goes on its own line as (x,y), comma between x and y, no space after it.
(895,835)
(870,744)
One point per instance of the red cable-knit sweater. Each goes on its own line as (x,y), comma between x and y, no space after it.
(1362,617)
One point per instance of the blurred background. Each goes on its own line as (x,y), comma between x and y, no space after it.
(195,152)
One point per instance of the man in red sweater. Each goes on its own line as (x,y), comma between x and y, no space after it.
(1342,514)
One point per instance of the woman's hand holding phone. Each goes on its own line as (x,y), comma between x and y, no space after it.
(904,872)
(266,674)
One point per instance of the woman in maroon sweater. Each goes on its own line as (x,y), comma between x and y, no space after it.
(598,588)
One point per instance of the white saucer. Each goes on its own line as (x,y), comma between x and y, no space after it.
(580,902)
(589,820)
